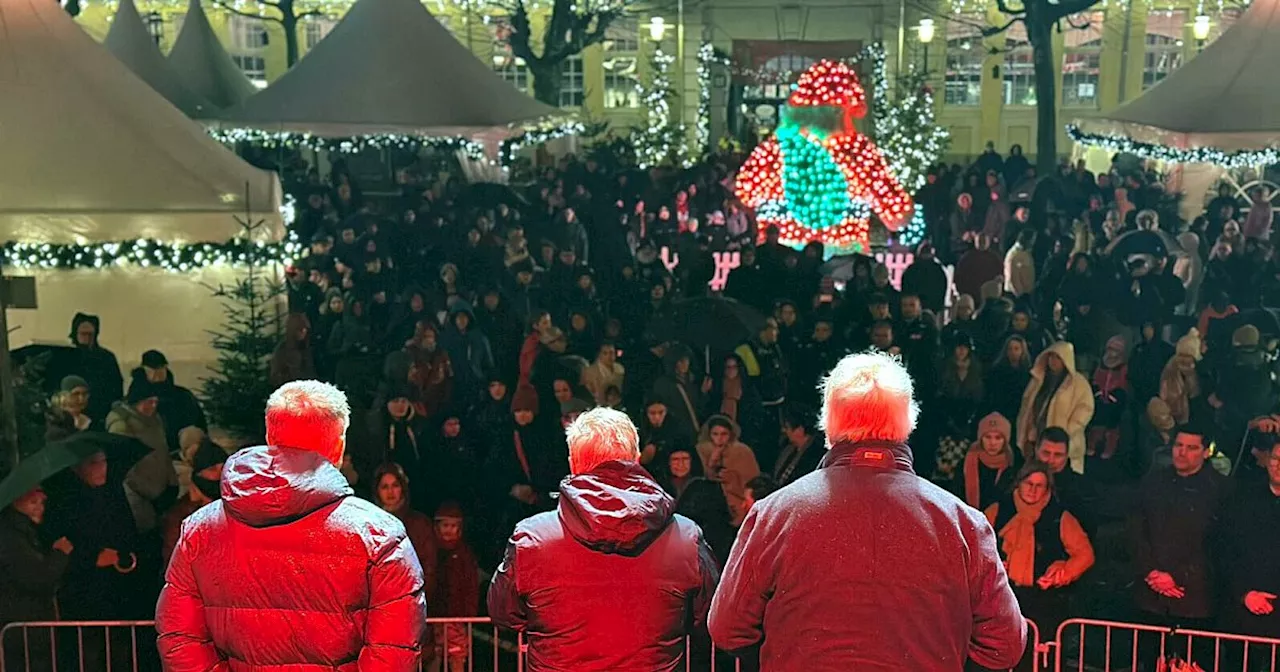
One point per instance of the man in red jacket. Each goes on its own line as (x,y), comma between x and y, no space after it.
(288,570)
(862,565)
(613,578)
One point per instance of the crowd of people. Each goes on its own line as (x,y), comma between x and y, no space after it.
(1086,339)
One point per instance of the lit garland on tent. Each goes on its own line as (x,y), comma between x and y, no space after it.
(148,253)
(1244,158)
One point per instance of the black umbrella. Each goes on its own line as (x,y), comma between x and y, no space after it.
(842,267)
(122,453)
(719,324)
(488,195)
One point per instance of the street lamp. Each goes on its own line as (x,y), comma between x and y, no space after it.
(1200,29)
(924,32)
(657,27)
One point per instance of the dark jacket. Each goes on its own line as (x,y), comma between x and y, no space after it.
(29,572)
(611,580)
(1249,542)
(1172,531)
(904,547)
(96,364)
(242,590)
(178,407)
(469,351)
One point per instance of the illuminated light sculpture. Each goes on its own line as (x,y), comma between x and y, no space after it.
(818,178)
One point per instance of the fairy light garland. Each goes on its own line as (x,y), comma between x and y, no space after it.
(707,59)
(1244,158)
(661,140)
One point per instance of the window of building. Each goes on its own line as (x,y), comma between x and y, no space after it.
(507,65)
(155,26)
(623,35)
(317,29)
(1164,48)
(1019,67)
(254,67)
(572,82)
(247,34)
(1081,58)
(621,82)
(965,53)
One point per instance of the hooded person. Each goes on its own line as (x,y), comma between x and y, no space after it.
(1056,396)
(1110,398)
(990,464)
(92,362)
(292,359)
(613,579)
(727,461)
(1181,386)
(402,436)
(206,482)
(293,518)
(468,348)
(1243,386)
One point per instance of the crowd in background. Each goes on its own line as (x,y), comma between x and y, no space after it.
(1087,343)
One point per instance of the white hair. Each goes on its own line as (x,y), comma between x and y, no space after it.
(600,435)
(309,415)
(868,396)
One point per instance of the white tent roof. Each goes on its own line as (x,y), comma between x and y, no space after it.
(94,154)
(388,67)
(1225,97)
(204,66)
(131,42)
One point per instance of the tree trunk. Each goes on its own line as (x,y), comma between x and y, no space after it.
(546,82)
(289,22)
(1040,35)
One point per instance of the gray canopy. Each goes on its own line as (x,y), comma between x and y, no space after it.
(389,67)
(131,43)
(204,66)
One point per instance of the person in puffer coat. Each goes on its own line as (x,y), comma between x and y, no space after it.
(613,579)
(1057,396)
(289,571)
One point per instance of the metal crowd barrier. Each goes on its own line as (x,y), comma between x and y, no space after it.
(1087,645)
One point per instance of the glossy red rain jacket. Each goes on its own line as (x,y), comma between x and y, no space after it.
(864,566)
(289,572)
(612,580)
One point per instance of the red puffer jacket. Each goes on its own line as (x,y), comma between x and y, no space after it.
(610,581)
(288,571)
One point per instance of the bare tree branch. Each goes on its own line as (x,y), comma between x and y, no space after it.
(310,13)
(521,38)
(1003,6)
(1066,8)
(250,15)
(992,30)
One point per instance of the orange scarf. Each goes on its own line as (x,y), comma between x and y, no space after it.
(972,491)
(731,394)
(1018,541)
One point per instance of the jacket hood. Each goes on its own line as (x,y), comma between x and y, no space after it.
(267,486)
(1064,350)
(615,508)
(704,434)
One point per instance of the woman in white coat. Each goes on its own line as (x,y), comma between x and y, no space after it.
(1056,396)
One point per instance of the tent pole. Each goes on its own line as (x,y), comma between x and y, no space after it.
(8,409)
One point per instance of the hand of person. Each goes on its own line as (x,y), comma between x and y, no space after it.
(1164,584)
(108,557)
(1259,603)
(706,385)
(1055,576)
(64,546)
(1268,424)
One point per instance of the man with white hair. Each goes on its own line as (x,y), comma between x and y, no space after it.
(614,578)
(288,570)
(862,565)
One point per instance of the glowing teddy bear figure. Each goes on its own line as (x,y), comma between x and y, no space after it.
(818,178)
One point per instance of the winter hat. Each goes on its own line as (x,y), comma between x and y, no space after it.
(207,455)
(1246,337)
(154,359)
(1160,415)
(525,399)
(1189,344)
(141,389)
(965,301)
(72,382)
(449,510)
(401,391)
(1116,352)
(995,422)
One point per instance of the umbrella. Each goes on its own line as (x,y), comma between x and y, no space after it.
(841,267)
(122,453)
(719,324)
(488,195)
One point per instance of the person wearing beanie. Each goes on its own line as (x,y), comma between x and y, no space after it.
(401,436)
(457,589)
(1242,385)
(528,463)
(990,464)
(1181,383)
(152,483)
(1110,398)
(73,397)
(177,406)
(206,478)
(97,365)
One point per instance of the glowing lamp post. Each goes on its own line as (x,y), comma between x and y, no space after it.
(924,32)
(1200,29)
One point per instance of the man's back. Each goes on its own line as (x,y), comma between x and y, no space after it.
(867,568)
(289,570)
(609,581)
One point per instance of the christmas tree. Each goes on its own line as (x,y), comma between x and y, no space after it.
(910,138)
(661,141)
(235,397)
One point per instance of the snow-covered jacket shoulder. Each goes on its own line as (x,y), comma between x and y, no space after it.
(288,570)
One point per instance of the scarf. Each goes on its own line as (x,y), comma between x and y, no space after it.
(1018,541)
(1044,398)
(730,395)
(408,430)
(972,491)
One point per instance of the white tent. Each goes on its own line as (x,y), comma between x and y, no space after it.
(203,65)
(131,42)
(389,67)
(92,155)
(1225,97)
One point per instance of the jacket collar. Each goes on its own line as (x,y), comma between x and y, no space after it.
(874,454)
